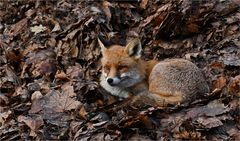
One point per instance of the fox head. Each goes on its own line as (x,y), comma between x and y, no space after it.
(120,65)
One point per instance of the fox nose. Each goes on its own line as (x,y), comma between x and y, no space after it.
(110,81)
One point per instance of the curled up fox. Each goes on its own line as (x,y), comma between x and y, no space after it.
(125,74)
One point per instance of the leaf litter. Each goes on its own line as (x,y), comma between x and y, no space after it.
(50,69)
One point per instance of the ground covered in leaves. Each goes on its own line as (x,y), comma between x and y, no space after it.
(49,68)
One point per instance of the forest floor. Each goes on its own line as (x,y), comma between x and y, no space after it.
(50,69)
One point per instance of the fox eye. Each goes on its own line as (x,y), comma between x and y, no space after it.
(122,67)
(106,68)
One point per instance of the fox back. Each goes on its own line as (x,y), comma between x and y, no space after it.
(177,80)
(171,81)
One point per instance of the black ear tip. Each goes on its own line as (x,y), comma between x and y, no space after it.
(100,37)
(104,41)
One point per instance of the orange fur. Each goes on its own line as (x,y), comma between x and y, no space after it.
(170,81)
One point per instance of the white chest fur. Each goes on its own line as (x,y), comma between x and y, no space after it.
(116,91)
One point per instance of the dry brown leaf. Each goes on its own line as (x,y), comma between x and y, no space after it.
(35,57)
(30,12)
(68,89)
(146,121)
(10,130)
(4,100)
(12,76)
(217,65)
(71,35)
(61,75)
(15,56)
(47,67)
(175,44)
(106,9)
(57,26)
(213,108)
(234,85)
(55,102)
(31,48)
(37,106)
(209,122)
(83,113)
(36,95)
(220,82)
(226,7)
(4,116)
(160,14)
(61,102)
(68,48)
(34,122)
(52,42)
(75,72)
(188,135)
(138,137)
(234,133)
(193,28)
(143,4)
(18,27)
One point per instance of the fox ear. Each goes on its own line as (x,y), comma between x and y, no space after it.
(101,43)
(134,48)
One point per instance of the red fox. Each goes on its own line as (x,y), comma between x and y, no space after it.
(171,81)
